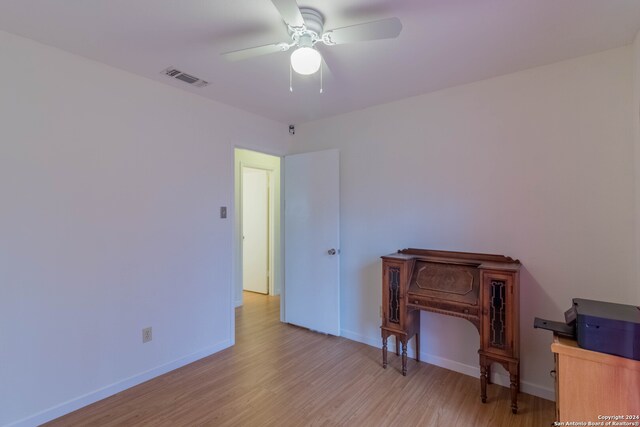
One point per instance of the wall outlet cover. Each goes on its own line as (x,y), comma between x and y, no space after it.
(146,335)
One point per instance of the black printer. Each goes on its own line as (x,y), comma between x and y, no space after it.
(600,326)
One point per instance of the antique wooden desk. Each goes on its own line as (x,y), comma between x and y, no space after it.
(482,288)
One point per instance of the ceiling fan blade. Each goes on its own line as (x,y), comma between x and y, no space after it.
(383,29)
(290,12)
(238,55)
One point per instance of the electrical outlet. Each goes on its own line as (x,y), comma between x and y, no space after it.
(146,335)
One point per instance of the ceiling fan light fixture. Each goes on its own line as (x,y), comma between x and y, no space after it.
(306,60)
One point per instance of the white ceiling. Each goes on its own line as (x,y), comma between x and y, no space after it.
(443,43)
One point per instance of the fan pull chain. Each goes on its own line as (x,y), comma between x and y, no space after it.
(321,67)
(290,78)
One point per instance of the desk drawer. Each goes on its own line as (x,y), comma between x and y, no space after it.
(419,301)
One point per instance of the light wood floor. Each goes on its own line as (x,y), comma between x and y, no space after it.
(282,375)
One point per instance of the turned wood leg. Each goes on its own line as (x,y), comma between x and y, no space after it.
(397,346)
(489,374)
(404,357)
(418,347)
(384,350)
(483,383)
(514,391)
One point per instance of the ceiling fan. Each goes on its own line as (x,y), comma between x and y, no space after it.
(306,29)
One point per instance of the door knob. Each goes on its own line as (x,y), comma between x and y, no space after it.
(331,251)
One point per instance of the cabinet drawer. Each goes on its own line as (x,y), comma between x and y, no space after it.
(424,303)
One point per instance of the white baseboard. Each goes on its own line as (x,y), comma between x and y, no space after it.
(87,399)
(474,371)
(84,400)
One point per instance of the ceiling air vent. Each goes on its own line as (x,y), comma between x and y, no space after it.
(187,78)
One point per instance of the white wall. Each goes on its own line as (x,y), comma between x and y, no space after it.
(537,165)
(110,188)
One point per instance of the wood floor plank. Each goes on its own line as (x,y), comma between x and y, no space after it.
(282,375)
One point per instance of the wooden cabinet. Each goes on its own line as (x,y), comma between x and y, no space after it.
(397,319)
(590,384)
(395,276)
(481,288)
(498,308)
(499,335)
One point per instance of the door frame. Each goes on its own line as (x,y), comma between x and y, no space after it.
(244,157)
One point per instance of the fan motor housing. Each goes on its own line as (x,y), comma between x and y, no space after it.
(313,20)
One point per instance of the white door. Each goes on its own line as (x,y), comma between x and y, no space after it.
(312,241)
(255,230)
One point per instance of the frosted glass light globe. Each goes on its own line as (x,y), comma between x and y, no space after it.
(306,60)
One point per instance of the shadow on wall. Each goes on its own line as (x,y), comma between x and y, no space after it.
(534,343)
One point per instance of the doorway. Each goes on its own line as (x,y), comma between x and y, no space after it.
(313,245)
(257,233)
